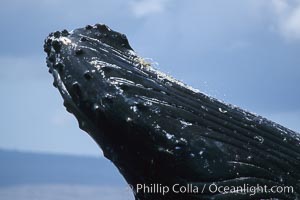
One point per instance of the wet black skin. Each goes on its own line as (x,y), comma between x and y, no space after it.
(158,131)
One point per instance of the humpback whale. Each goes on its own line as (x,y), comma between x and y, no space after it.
(168,140)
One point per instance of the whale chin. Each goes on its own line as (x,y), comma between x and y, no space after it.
(159,131)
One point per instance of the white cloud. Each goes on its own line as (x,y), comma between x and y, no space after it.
(280,6)
(144,8)
(288,14)
(291,27)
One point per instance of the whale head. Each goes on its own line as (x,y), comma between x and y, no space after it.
(156,129)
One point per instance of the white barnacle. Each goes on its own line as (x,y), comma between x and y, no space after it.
(65,40)
(142,62)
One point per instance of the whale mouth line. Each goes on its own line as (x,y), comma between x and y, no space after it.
(85,123)
(62,88)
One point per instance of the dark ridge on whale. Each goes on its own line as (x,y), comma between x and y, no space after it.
(157,130)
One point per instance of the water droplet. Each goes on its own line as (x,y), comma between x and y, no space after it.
(128,119)
(222,111)
(249,119)
(156,110)
(177,147)
(96,107)
(148,103)
(169,136)
(134,108)
(185,124)
(201,152)
(259,139)
(204,108)
(182,141)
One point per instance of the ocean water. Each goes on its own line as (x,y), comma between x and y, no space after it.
(37,176)
(64,192)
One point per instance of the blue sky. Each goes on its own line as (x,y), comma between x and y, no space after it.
(243,52)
